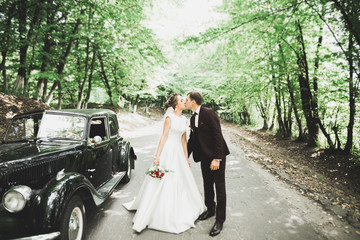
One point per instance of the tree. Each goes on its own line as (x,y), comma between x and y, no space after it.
(292,44)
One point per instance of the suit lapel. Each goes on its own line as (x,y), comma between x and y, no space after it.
(201,116)
(192,121)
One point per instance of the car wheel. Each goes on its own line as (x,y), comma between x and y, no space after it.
(72,223)
(127,176)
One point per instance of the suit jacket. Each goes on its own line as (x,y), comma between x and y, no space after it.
(209,142)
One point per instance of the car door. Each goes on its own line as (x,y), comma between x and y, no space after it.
(99,168)
(114,141)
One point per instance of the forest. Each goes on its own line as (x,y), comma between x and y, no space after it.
(287,66)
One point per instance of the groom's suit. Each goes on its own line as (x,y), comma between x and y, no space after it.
(206,143)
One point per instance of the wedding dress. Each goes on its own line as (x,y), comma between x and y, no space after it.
(173,203)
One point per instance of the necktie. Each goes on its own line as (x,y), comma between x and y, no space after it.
(195,123)
(192,119)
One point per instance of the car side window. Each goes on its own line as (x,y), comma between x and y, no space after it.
(97,128)
(113,127)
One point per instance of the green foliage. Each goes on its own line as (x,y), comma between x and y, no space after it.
(62,43)
(249,67)
(254,71)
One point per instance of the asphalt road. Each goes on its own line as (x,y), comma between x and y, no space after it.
(259,205)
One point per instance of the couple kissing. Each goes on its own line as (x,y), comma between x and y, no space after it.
(173,203)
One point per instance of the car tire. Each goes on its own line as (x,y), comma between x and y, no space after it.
(127,176)
(72,222)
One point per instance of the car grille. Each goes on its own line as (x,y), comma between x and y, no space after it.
(33,174)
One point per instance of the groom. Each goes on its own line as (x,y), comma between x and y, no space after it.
(208,146)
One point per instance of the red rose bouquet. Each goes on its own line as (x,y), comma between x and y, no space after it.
(156,171)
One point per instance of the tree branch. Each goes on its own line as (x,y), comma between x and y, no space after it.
(332,32)
(252,20)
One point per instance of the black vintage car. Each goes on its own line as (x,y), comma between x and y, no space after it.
(53,164)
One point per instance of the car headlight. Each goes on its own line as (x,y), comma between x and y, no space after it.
(16,198)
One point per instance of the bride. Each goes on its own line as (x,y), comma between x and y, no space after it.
(173,203)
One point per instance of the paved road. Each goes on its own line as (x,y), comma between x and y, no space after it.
(259,205)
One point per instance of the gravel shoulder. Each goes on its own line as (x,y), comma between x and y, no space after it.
(311,171)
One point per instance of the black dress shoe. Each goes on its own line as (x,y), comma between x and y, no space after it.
(216,229)
(206,215)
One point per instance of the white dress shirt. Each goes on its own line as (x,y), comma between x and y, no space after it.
(197,116)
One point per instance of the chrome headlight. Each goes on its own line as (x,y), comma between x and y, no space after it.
(16,198)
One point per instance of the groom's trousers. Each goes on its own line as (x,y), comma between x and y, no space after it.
(210,179)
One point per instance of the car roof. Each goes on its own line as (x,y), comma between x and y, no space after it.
(83,112)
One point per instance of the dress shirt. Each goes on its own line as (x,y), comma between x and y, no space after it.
(197,116)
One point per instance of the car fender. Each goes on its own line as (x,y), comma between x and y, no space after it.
(126,152)
(57,193)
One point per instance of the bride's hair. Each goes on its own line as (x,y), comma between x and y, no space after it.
(172,100)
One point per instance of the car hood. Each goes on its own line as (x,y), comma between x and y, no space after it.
(11,152)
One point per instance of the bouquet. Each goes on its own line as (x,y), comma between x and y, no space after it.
(156,171)
(94,141)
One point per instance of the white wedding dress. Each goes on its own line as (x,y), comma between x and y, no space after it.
(173,203)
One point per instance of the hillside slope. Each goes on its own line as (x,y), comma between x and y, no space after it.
(10,105)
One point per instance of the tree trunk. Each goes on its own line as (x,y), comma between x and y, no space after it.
(287,115)
(86,101)
(5,42)
(289,121)
(246,115)
(335,128)
(272,125)
(277,100)
(314,99)
(136,102)
(29,69)
(107,84)
(292,97)
(21,81)
(294,107)
(352,90)
(264,114)
(4,76)
(352,22)
(51,93)
(306,97)
(310,121)
(19,84)
(72,97)
(82,84)
(42,82)
(60,96)
(62,61)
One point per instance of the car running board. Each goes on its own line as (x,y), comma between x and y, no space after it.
(106,190)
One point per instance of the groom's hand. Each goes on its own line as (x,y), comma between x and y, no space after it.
(215,165)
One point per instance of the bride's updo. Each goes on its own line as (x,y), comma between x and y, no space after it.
(172,100)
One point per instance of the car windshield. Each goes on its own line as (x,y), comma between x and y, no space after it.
(62,127)
(24,128)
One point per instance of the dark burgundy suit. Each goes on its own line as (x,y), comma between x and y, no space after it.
(206,143)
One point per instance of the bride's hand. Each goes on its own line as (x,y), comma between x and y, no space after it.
(188,162)
(156,161)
